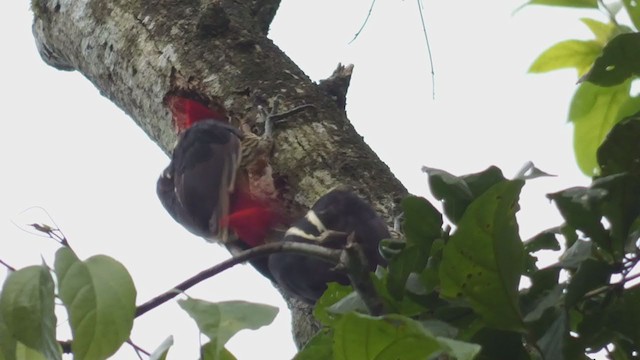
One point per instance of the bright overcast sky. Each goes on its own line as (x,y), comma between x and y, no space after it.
(69,150)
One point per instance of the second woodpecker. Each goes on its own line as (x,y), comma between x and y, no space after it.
(332,219)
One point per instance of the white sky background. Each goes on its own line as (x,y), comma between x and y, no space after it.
(71,151)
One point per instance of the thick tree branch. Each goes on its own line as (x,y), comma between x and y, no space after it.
(137,52)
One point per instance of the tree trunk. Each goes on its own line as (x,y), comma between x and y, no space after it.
(136,52)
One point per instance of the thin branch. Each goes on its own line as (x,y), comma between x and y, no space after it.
(426,38)
(138,349)
(366,20)
(9,267)
(330,255)
(609,13)
(606,288)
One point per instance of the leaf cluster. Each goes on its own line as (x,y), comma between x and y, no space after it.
(471,289)
(606,65)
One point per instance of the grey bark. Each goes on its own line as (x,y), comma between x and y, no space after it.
(135,52)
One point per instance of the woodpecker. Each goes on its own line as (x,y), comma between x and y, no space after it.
(332,219)
(218,179)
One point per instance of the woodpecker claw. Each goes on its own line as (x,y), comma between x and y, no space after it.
(273,116)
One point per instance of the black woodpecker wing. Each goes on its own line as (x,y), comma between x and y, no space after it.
(196,186)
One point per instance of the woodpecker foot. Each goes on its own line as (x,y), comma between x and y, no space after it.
(273,116)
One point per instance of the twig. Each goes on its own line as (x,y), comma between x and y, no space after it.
(612,16)
(358,272)
(138,349)
(606,288)
(318,251)
(366,20)
(11,268)
(426,38)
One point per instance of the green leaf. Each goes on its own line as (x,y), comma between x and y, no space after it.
(594,110)
(211,351)
(422,221)
(27,306)
(545,240)
(591,275)
(543,282)
(460,350)
(160,353)
(24,352)
(620,150)
(364,337)
(220,321)
(602,31)
(452,191)
(568,3)
(634,11)
(401,266)
(7,342)
(552,300)
(578,54)
(320,347)
(576,254)
(100,298)
(456,193)
(619,61)
(553,343)
(483,259)
(620,206)
(334,293)
(499,344)
(624,315)
(579,208)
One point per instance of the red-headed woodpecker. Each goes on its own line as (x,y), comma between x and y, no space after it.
(210,186)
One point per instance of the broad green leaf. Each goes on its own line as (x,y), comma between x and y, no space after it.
(500,344)
(575,255)
(483,260)
(633,8)
(7,342)
(401,266)
(161,352)
(576,54)
(620,150)
(100,298)
(452,191)
(320,347)
(459,349)
(27,306)
(568,3)
(620,206)
(553,343)
(334,293)
(456,193)
(364,337)
(602,31)
(579,208)
(422,221)
(24,352)
(619,61)
(624,315)
(552,300)
(545,240)
(591,275)
(594,110)
(220,321)
(211,351)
